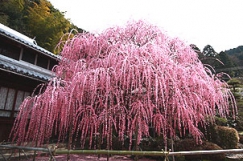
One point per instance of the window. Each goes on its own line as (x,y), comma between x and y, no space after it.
(42,61)
(3,96)
(21,95)
(29,56)
(19,100)
(9,50)
(10,100)
(4,102)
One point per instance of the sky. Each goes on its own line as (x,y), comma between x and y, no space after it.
(218,23)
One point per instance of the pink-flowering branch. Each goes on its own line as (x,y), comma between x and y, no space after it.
(124,80)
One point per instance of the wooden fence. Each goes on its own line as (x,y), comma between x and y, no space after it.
(53,152)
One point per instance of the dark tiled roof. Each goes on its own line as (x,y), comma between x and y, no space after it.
(25,69)
(26,41)
(21,67)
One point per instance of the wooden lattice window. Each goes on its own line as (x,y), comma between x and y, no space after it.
(10,100)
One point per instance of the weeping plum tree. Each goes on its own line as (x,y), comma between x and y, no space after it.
(121,82)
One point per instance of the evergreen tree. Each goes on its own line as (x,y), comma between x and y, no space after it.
(208,50)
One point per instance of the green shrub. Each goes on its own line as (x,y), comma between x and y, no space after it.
(225,137)
(220,121)
(152,144)
(190,145)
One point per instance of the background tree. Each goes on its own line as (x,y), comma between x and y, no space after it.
(12,14)
(120,83)
(219,62)
(235,83)
(230,61)
(209,56)
(236,55)
(37,19)
(209,51)
(52,24)
(225,64)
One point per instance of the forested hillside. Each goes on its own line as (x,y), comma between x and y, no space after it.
(229,61)
(233,51)
(38,19)
(236,54)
